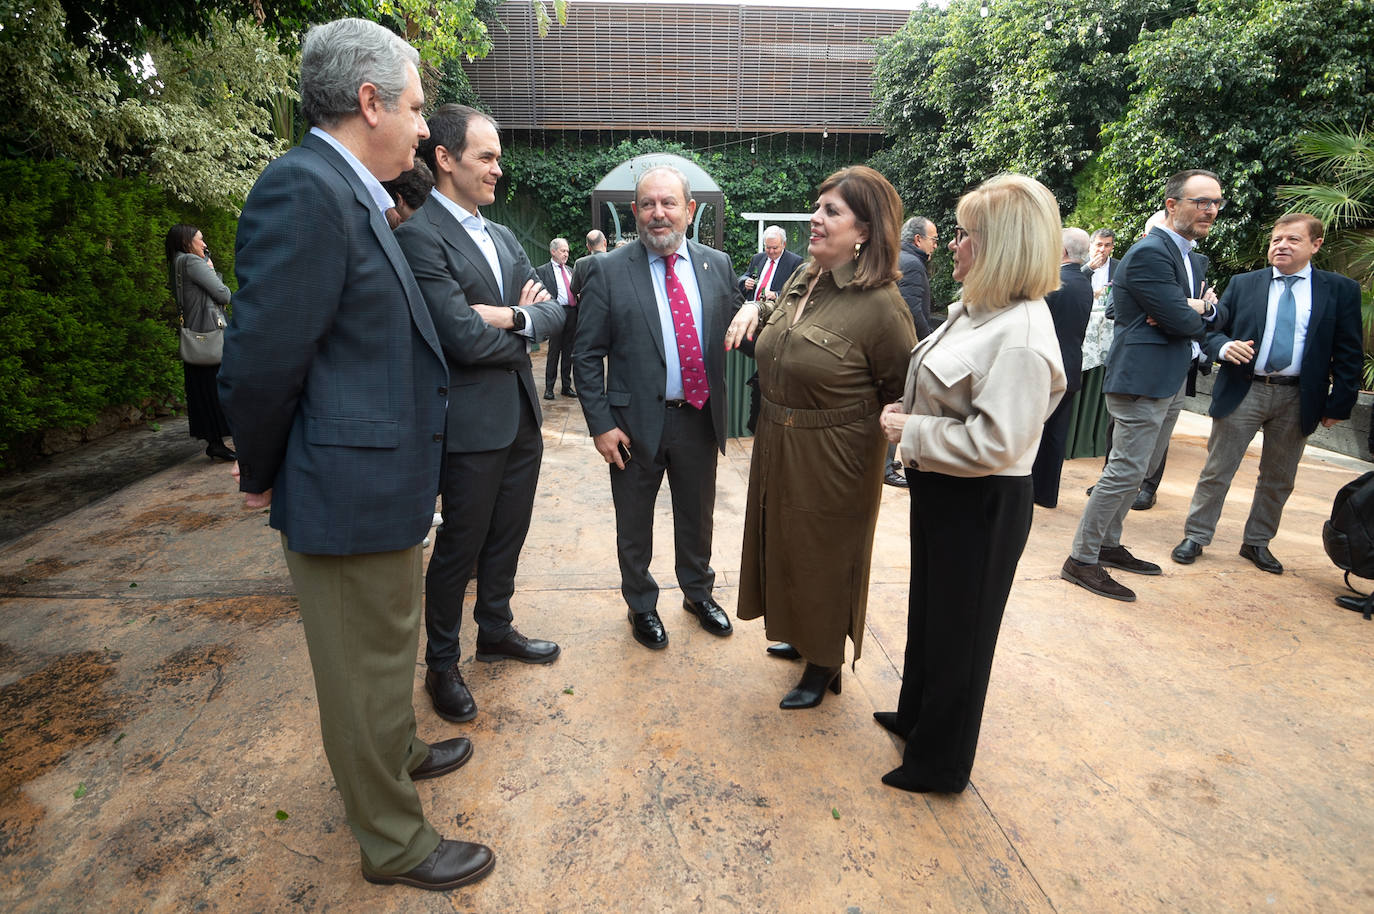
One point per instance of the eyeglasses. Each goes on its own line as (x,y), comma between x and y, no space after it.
(1206,203)
(960,233)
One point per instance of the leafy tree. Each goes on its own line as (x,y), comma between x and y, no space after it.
(1227,89)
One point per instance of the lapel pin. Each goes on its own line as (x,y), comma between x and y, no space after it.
(706,266)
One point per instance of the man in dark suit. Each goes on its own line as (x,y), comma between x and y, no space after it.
(557,278)
(656,311)
(770,268)
(1291,350)
(1070,305)
(1157,319)
(1100,266)
(596,244)
(919,238)
(334,384)
(487,305)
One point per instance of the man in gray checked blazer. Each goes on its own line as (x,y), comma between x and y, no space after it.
(639,403)
(334,385)
(487,305)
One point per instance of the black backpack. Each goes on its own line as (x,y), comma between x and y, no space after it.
(1349,535)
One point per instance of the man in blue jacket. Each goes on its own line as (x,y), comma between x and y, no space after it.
(335,386)
(1290,351)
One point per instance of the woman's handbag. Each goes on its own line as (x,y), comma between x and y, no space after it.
(201,347)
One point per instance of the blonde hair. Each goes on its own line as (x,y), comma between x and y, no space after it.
(1014,226)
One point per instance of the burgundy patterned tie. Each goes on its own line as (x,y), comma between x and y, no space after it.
(572,299)
(694,386)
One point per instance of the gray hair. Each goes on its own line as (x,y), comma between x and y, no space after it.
(914,226)
(596,239)
(1076,245)
(557,243)
(339,57)
(686,188)
(775,231)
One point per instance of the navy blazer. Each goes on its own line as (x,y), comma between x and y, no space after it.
(333,379)
(915,287)
(1151,282)
(1070,306)
(1332,356)
(787,264)
(489,368)
(619,365)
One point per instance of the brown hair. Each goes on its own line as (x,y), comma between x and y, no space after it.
(1315,229)
(877,208)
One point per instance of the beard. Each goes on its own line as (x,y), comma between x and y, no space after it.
(667,245)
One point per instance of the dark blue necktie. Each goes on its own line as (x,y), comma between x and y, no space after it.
(1285,328)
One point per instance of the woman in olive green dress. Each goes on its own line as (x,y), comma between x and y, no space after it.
(831,351)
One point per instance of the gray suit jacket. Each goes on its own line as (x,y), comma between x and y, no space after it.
(489,368)
(1151,282)
(333,379)
(618,321)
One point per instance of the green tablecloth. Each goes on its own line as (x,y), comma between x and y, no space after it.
(1088,422)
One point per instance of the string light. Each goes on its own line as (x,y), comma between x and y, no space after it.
(984,11)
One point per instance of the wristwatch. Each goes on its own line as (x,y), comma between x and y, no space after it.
(517,318)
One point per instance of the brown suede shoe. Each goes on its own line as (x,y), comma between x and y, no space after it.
(1095,578)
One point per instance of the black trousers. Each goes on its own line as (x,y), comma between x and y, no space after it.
(1049,460)
(967,536)
(687,455)
(487,502)
(560,351)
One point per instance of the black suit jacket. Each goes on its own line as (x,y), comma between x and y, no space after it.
(1151,282)
(915,287)
(787,263)
(619,366)
(1332,356)
(333,379)
(1071,305)
(490,368)
(1111,269)
(548,275)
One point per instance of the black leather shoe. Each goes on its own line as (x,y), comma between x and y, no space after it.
(1144,500)
(450,755)
(1362,605)
(216,450)
(810,689)
(711,616)
(452,864)
(1120,557)
(1264,559)
(452,700)
(888,721)
(568,391)
(1186,552)
(548,394)
(516,646)
(648,629)
(783,651)
(894,477)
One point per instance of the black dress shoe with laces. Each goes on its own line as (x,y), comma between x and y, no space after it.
(893,476)
(452,700)
(453,863)
(648,629)
(548,394)
(216,450)
(1264,559)
(516,646)
(449,755)
(1144,500)
(711,616)
(568,391)
(1186,552)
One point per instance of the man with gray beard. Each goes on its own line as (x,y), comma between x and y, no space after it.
(656,313)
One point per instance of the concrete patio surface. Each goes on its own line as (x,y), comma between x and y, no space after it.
(1208,748)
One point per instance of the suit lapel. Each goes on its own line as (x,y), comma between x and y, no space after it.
(1176,257)
(457,238)
(701,269)
(642,282)
(419,313)
(507,258)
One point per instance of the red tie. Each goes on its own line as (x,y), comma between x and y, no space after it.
(695,388)
(767,275)
(572,299)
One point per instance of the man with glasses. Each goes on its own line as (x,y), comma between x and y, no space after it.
(1159,312)
(1290,349)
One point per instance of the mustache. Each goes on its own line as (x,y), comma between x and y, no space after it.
(660,223)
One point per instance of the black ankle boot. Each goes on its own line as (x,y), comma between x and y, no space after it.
(216,450)
(811,689)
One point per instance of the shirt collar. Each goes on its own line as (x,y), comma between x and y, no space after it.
(843,274)
(681,253)
(374,187)
(473,221)
(1185,245)
(1305,273)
